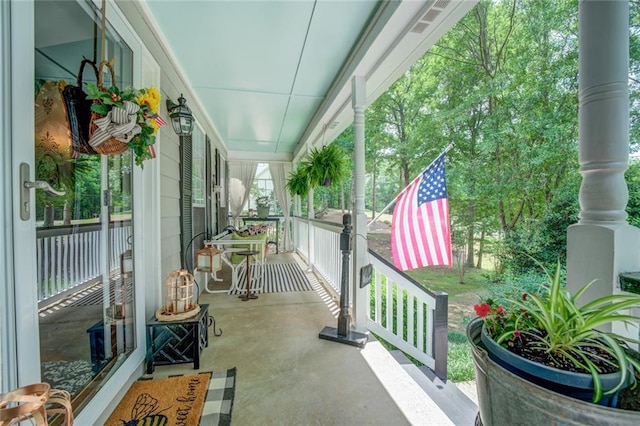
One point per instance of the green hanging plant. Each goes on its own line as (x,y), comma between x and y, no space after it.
(298,182)
(327,165)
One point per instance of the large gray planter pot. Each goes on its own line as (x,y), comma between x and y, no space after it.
(575,385)
(506,399)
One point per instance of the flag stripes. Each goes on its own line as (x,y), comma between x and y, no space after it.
(420,233)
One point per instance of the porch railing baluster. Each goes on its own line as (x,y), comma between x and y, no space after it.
(47,267)
(84,244)
(65,261)
(58,247)
(39,269)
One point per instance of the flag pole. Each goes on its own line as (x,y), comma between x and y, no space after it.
(447,149)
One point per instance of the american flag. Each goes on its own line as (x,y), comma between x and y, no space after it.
(159,120)
(420,232)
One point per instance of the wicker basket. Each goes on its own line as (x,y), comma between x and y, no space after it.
(110,146)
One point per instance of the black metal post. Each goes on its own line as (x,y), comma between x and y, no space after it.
(344,319)
(440,335)
(343,333)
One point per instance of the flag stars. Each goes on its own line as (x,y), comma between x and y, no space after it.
(432,185)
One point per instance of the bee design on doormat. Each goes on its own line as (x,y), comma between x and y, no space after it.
(145,413)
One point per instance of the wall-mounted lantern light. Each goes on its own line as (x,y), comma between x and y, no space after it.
(181,116)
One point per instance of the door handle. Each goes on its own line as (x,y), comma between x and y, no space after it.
(26,185)
(39,184)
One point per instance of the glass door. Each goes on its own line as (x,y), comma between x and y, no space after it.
(83,225)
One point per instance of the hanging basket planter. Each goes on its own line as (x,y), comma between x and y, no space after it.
(123,119)
(298,182)
(322,167)
(327,165)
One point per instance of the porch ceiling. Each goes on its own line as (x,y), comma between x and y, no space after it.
(271,76)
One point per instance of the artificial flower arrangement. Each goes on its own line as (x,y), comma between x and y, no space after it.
(129,116)
(553,329)
(264,201)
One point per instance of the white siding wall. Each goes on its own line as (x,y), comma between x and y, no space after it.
(171,86)
(169,188)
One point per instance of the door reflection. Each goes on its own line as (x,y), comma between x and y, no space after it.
(85,281)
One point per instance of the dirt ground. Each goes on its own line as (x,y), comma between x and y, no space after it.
(460,305)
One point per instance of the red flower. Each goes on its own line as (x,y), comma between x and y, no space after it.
(482,310)
(500,310)
(516,333)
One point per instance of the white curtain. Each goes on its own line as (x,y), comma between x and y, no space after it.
(279,174)
(241,178)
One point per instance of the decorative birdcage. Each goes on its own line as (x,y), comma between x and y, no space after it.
(179,298)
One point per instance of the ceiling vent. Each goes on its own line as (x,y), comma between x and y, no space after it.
(419,27)
(430,16)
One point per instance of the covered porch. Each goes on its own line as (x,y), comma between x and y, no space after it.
(287,375)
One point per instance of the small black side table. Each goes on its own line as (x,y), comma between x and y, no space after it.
(175,342)
(248,254)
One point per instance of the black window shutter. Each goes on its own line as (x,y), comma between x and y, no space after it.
(186,223)
(208,188)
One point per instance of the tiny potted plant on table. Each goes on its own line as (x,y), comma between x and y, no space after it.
(529,344)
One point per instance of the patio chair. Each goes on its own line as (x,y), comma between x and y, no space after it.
(231,246)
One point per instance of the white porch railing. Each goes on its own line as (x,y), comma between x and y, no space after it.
(401,311)
(301,235)
(327,255)
(69,256)
(408,316)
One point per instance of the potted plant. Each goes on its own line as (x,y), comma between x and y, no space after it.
(263,205)
(298,182)
(326,165)
(533,349)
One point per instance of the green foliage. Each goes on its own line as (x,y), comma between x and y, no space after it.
(298,181)
(326,166)
(503,290)
(459,359)
(633,182)
(323,169)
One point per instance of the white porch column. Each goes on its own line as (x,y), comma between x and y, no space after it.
(602,244)
(310,234)
(358,101)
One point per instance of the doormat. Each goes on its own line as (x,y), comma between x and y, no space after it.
(71,376)
(199,399)
(219,402)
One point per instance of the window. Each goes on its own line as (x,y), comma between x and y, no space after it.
(199,167)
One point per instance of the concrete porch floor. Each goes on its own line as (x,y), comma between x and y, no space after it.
(286,375)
